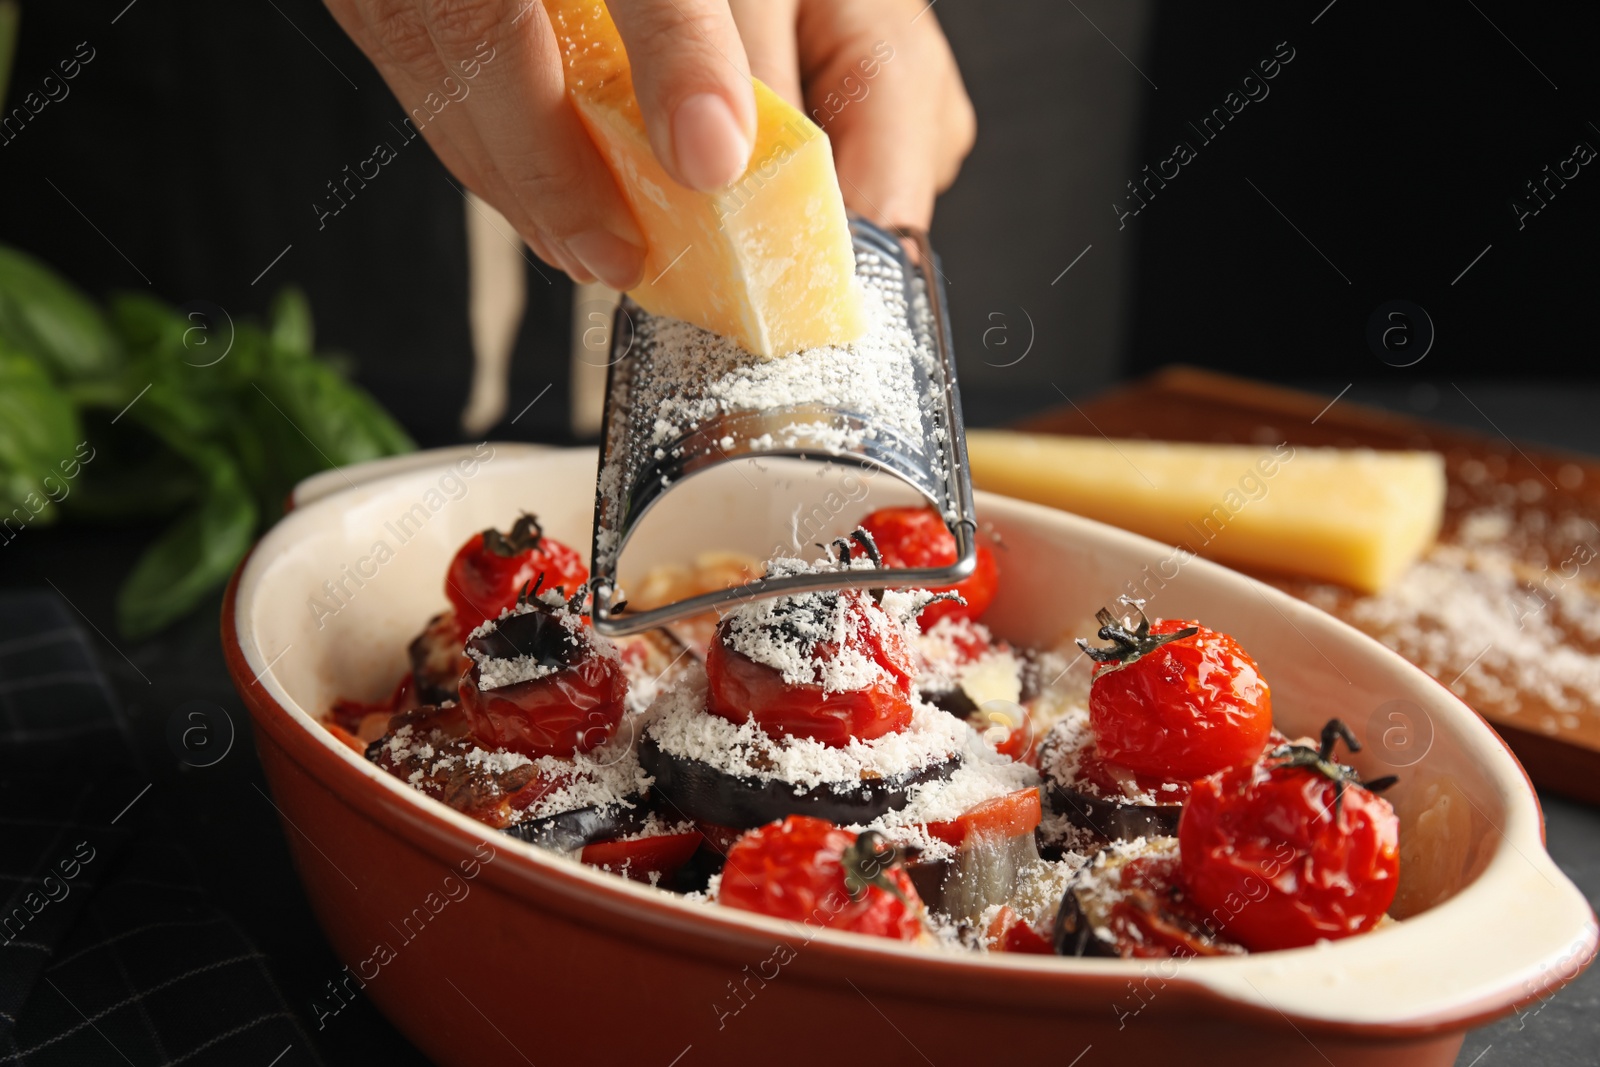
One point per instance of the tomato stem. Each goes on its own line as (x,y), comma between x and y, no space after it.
(529,590)
(524,535)
(1128,645)
(1320,761)
(867,862)
(1332,732)
(863,537)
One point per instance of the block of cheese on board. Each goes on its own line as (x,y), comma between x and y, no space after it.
(1353,516)
(766,261)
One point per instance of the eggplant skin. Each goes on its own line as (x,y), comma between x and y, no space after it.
(1083,921)
(1074,933)
(692,788)
(437,662)
(928,876)
(955,701)
(568,830)
(1114,820)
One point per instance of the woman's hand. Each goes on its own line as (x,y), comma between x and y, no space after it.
(515,139)
(880,80)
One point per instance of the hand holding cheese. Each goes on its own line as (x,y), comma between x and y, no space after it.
(679,152)
(1352,516)
(765,260)
(482,81)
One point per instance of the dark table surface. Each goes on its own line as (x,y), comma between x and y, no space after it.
(235,841)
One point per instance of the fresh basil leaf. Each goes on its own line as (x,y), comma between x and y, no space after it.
(143,322)
(199,401)
(338,423)
(39,438)
(196,554)
(291,323)
(221,417)
(44,316)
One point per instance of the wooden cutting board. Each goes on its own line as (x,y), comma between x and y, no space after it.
(1504,610)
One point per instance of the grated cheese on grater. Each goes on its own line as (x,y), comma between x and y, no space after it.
(685,380)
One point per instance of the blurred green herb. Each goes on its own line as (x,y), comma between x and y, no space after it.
(215,421)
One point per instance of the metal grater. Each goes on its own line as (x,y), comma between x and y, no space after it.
(680,400)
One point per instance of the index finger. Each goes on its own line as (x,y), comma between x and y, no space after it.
(692,80)
(538,144)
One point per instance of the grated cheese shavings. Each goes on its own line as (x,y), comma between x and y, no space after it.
(682,727)
(687,385)
(815,638)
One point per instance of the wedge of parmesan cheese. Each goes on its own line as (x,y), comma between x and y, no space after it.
(767,261)
(1353,516)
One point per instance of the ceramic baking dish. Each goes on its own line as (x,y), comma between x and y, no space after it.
(483,950)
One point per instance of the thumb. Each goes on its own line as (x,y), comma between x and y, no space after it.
(693,83)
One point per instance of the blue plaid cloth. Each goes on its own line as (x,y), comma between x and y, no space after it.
(109,951)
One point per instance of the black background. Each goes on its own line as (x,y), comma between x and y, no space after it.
(1396,141)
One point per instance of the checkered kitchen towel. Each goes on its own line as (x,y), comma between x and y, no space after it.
(109,952)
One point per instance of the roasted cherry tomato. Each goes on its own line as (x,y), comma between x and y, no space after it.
(918,537)
(1010,815)
(430,760)
(642,857)
(811,871)
(955,644)
(740,687)
(565,692)
(1292,848)
(1108,780)
(1008,933)
(491,569)
(1176,700)
(571,711)
(537,787)
(1020,743)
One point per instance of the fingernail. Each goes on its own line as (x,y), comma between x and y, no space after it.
(710,145)
(561,257)
(609,258)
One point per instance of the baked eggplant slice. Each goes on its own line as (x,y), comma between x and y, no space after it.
(1093,797)
(431,749)
(997,676)
(568,830)
(437,660)
(1127,903)
(690,788)
(1112,819)
(961,667)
